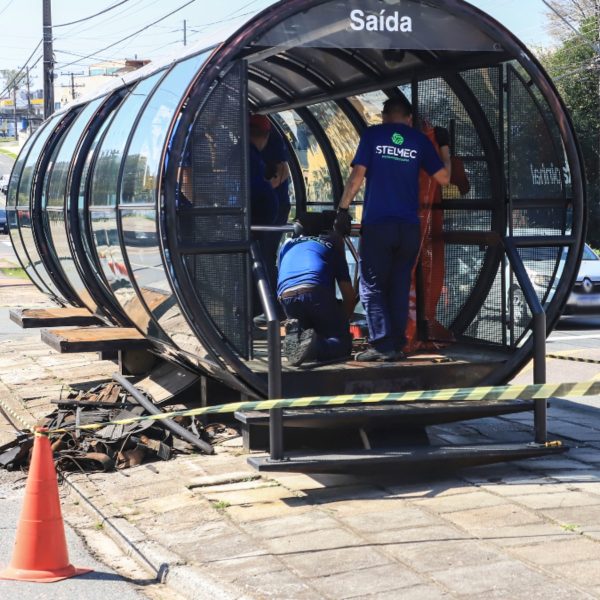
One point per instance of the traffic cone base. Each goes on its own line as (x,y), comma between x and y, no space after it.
(40,552)
(42,576)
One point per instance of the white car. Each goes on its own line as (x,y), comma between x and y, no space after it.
(585,295)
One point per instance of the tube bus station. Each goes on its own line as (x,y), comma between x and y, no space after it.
(134,204)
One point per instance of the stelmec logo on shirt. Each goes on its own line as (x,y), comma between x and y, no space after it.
(394,152)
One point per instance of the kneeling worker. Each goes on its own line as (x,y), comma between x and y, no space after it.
(309,266)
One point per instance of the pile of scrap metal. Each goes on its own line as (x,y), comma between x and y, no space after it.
(112,446)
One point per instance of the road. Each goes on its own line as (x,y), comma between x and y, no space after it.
(6,164)
(101,583)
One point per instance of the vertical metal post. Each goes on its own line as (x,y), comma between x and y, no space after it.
(539,376)
(48,60)
(274,348)
(275,414)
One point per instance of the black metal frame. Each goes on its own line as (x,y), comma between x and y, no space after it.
(89,275)
(238,47)
(11,232)
(36,214)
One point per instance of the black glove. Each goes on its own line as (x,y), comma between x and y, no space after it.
(442,136)
(343,222)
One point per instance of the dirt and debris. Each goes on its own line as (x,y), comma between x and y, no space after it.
(112,446)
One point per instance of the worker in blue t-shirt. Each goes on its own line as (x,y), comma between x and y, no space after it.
(390,157)
(310,264)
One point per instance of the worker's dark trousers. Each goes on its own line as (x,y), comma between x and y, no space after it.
(319,310)
(388,252)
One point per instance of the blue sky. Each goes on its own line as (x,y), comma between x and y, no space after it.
(21,22)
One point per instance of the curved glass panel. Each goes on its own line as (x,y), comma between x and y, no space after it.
(312,161)
(83,216)
(11,212)
(344,140)
(33,262)
(53,203)
(108,162)
(140,226)
(103,199)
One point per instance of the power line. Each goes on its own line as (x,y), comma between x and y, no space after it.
(16,76)
(6,7)
(108,9)
(20,71)
(130,35)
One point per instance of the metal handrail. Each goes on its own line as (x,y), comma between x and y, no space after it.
(274,350)
(538,332)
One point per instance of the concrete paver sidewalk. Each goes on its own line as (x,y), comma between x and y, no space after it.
(528,530)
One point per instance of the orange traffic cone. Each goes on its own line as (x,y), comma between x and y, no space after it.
(40,552)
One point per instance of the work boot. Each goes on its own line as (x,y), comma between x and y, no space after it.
(373,355)
(301,348)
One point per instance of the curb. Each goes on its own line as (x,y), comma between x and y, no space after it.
(166,566)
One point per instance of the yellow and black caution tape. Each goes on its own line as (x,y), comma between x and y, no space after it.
(580,359)
(488,394)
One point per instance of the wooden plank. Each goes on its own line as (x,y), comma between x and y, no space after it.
(94,339)
(31,318)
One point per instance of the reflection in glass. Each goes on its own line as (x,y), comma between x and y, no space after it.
(108,161)
(104,190)
(31,259)
(319,192)
(344,140)
(53,202)
(139,186)
(11,212)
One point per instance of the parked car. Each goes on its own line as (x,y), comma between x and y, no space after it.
(4,179)
(585,295)
(3,220)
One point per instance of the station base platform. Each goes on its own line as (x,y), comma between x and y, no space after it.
(94,339)
(32,318)
(455,365)
(412,461)
(336,426)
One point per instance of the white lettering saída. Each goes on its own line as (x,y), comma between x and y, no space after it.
(380,22)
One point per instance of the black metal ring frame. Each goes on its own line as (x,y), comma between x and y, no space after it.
(54,270)
(89,274)
(39,284)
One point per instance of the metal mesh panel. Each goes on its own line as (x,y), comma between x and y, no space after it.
(213,211)
(223,293)
(539,221)
(210,229)
(216,154)
(440,106)
(535,155)
(489,323)
(467,220)
(462,266)
(485,85)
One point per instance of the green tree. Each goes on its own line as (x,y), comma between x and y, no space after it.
(575,69)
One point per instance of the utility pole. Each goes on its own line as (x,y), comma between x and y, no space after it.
(28,83)
(73,85)
(14,90)
(185,32)
(48,60)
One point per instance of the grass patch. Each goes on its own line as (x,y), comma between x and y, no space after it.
(221,505)
(8,153)
(14,272)
(98,526)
